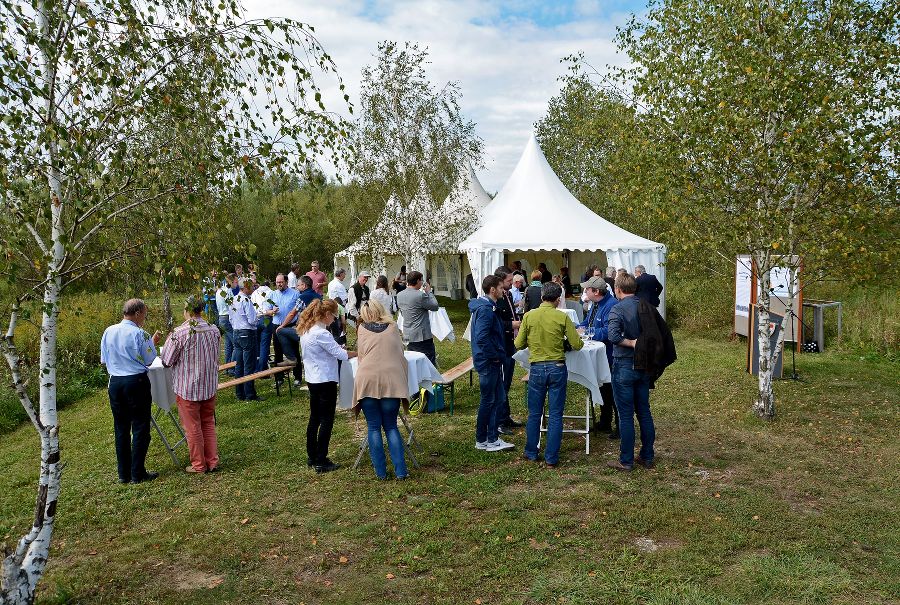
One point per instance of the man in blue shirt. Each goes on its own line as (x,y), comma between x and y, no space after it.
(290,340)
(127,351)
(488,355)
(596,324)
(284,299)
(631,387)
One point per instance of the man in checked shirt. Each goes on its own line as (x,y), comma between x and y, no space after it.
(192,351)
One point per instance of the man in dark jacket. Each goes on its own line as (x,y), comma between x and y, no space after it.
(631,386)
(506,310)
(648,287)
(488,355)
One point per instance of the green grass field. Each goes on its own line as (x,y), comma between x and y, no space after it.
(800,510)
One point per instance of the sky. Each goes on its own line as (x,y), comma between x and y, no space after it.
(505,54)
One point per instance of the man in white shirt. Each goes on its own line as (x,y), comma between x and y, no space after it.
(260,300)
(337,291)
(242,315)
(223,300)
(294,275)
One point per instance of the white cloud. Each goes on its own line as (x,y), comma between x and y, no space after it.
(507,65)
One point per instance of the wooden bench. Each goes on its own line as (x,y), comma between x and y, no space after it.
(227,366)
(450,376)
(258,375)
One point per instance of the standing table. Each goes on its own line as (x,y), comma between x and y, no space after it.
(587,367)
(421,373)
(163,394)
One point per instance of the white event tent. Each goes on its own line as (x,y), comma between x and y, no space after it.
(535,218)
(380,250)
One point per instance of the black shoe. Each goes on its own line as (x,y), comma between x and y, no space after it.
(327,467)
(123,481)
(148,476)
(256,398)
(310,463)
(503,430)
(512,424)
(614,434)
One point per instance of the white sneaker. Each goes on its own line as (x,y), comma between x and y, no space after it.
(499,445)
(481,445)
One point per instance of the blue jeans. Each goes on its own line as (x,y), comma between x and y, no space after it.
(265,328)
(545,379)
(225,327)
(382,414)
(245,350)
(490,379)
(631,390)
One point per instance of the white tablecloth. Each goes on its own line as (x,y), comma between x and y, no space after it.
(421,374)
(161,385)
(441,327)
(587,367)
(467,334)
(571,313)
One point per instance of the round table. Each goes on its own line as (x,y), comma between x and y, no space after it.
(421,373)
(588,366)
(441,328)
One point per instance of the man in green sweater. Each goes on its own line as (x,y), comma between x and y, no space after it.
(543,332)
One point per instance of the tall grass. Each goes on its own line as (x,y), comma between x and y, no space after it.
(82,321)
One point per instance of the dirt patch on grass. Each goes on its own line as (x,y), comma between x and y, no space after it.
(645,544)
(196,579)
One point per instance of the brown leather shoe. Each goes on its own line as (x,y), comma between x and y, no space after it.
(191,469)
(647,465)
(619,466)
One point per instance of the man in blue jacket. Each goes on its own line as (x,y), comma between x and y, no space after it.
(488,354)
(596,323)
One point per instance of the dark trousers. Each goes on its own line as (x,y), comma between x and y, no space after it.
(290,348)
(322,404)
(426,347)
(129,399)
(228,333)
(265,329)
(609,415)
(490,383)
(245,351)
(504,416)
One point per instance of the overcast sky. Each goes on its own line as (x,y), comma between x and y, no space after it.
(504,53)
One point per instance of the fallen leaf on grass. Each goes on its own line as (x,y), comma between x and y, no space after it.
(390,576)
(343,560)
(244,521)
(756,517)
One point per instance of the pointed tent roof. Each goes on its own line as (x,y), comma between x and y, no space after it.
(468,191)
(547,216)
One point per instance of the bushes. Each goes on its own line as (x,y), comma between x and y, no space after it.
(81,326)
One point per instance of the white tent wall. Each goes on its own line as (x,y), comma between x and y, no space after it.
(654,261)
(483,263)
(444,275)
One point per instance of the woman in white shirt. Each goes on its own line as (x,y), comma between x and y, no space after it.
(383,295)
(321,354)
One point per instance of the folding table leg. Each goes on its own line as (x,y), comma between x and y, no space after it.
(165,441)
(363,446)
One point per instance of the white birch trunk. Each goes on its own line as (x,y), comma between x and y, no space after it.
(765,401)
(24,567)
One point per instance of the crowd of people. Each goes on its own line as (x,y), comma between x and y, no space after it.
(298,326)
(510,316)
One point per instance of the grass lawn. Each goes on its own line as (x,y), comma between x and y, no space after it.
(801,510)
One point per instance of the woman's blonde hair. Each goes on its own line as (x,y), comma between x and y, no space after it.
(315,313)
(374,312)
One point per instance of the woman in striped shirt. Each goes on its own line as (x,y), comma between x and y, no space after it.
(192,351)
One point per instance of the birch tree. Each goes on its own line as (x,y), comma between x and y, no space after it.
(83,184)
(411,143)
(776,123)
